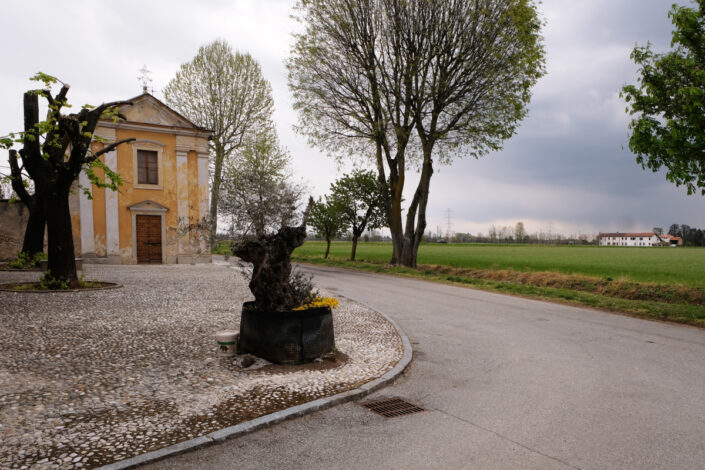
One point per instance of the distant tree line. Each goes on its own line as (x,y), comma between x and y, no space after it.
(518,234)
(500,236)
(691,236)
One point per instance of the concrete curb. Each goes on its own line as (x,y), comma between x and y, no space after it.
(277,417)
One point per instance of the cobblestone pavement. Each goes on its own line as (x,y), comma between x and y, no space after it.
(89,378)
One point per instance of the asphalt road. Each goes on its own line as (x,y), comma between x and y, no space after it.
(507,383)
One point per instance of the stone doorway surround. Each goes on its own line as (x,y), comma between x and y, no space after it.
(147,208)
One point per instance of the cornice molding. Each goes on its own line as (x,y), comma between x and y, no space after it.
(156,128)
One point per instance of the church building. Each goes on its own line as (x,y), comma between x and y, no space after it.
(160,212)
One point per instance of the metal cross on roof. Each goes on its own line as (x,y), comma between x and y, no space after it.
(144,78)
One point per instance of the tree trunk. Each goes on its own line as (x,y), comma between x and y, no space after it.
(415,227)
(327,248)
(271,260)
(354,246)
(33,242)
(395,224)
(421,221)
(62,261)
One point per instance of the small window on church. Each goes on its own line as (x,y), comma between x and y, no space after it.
(147,167)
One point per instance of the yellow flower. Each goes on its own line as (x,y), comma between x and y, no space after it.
(320,302)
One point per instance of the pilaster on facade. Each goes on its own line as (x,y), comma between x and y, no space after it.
(203,195)
(182,206)
(112,227)
(86,214)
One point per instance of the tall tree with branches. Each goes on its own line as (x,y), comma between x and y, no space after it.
(668,125)
(418,82)
(54,151)
(225,92)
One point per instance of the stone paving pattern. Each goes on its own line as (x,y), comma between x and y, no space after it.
(89,378)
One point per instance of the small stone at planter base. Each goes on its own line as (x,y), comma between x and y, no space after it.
(227,341)
(247,361)
(330,357)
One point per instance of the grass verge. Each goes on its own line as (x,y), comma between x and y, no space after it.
(222,248)
(673,303)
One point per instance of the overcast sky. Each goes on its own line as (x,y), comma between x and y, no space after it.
(567,170)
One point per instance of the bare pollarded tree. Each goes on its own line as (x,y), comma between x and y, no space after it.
(225,92)
(54,152)
(413,82)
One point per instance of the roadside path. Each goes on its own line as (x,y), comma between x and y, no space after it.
(508,383)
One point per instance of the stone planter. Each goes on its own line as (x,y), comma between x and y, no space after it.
(288,337)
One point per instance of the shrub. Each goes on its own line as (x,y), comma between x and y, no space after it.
(49,282)
(26,261)
(302,289)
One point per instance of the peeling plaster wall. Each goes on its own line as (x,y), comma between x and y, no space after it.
(74,210)
(13,221)
(99,243)
(129,195)
(180,190)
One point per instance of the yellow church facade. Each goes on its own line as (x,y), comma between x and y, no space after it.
(159,215)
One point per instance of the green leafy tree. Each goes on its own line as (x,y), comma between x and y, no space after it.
(54,151)
(327,222)
(414,83)
(226,93)
(668,128)
(360,202)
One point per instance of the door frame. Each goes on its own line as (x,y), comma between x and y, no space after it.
(148,208)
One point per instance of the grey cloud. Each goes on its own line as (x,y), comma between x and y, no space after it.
(568,164)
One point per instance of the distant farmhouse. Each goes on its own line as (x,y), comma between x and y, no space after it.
(639,239)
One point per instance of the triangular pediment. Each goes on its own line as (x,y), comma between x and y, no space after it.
(147,109)
(148,206)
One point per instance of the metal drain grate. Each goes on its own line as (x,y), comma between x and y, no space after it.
(392,407)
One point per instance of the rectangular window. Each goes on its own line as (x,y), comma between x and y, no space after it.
(147,171)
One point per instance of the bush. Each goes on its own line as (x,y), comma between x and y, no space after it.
(302,289)
(26,261)
(49,282)
(222,248)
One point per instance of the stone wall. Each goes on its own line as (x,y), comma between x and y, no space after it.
(13,220)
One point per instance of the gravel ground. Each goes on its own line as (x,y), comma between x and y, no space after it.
(89,378)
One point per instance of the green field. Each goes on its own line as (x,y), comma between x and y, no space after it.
(660,265)
(656,283)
